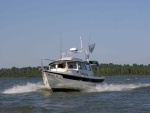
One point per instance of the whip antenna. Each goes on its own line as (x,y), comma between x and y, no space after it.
(60,46)
(81,42)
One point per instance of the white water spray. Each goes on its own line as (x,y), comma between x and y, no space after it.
(115,87)
(32,87)
(29,87)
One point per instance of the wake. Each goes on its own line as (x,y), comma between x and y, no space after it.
(29,87)
(33,87)
(115,87)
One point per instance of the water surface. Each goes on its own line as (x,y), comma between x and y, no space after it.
(127,94)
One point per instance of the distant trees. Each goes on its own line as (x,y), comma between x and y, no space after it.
(104,70)
(20,72)
(126,69)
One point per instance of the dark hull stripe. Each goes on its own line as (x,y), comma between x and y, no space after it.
(78,77)
(63,90)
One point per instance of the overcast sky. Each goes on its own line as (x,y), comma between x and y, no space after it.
(30,30)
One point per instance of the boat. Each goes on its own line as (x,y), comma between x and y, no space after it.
(71,73)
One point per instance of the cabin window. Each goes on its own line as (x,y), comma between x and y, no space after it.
(82,66)
(72,65)
(53,66)
(63,65)
(88,67)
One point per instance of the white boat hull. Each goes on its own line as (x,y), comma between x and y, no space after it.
(57,82)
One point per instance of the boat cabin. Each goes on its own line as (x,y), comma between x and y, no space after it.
(72,66)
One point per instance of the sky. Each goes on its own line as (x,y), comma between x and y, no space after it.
(30,30)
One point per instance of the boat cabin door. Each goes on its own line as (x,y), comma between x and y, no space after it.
(82,69)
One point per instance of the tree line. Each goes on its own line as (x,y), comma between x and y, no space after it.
(20,72)
(102,70)
(126,69)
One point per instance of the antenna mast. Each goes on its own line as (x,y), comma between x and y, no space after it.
(81,42)
(60,46)
(89,45)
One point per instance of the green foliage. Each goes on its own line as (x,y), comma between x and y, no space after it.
(115,69)
(20,72)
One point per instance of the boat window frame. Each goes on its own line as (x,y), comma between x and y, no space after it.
(53,66)
(75,67)
(64,65)
(80,67)
(88,66)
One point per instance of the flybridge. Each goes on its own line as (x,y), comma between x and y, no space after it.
(75,51)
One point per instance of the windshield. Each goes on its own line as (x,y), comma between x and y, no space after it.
(72,65)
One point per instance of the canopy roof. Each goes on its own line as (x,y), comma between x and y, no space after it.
(94,62)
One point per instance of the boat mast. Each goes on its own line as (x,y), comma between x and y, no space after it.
(60,46)
(81,43)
